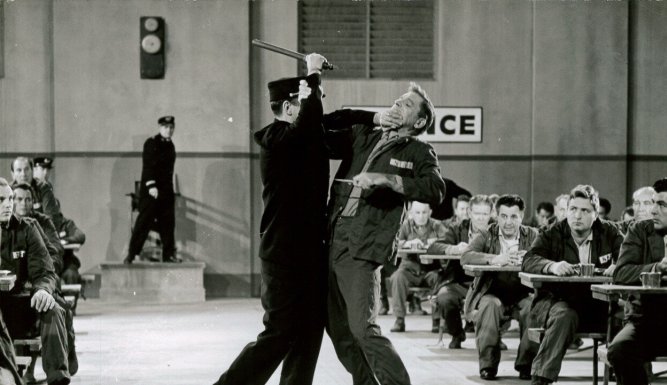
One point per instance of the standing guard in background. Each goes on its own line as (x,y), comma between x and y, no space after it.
(156,194)
(42,170)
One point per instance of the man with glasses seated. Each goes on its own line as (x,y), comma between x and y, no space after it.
(453,283)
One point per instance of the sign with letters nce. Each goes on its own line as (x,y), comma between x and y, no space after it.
(452,124)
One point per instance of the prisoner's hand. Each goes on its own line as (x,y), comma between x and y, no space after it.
(42,301)
(500,260)
(561,269)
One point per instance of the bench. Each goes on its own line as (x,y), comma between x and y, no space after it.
(28,349)
(22,363)
(536,335)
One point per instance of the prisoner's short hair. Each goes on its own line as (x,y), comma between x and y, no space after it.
(546,206)
(660,185)
(481,199)
(587,192)
(411,204)
(3,182)
(643,190)
(426,109)
(11,166)
(561,197)
(463,198)
(510,200)
(24,186)
(604,202)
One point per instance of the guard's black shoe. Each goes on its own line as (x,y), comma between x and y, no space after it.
(488,374)
(128,260)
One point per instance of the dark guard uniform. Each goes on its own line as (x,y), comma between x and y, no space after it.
(159,156)
(360,244)
(45,201)
(295,174)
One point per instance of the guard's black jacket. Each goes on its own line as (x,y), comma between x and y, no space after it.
(159,156)
(294,167)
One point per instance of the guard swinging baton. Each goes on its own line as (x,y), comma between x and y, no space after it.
(287,52)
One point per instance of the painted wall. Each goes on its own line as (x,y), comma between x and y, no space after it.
(72,88)
(570,93)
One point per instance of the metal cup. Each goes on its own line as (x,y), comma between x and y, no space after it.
(587,269)
(650,280)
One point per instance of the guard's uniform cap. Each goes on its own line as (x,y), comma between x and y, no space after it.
(284,89)
(43,162)
(166,121)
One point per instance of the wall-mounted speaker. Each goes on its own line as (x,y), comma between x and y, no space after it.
(151,47)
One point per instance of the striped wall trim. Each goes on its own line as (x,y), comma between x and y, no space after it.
(129,154)
(566,158)
(246,155)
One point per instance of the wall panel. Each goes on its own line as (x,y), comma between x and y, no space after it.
(25,90)
(581,65)
(101,100)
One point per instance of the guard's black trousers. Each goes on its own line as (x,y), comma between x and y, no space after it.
(151,210)
(294,302)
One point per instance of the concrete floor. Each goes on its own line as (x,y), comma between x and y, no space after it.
(194,344)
